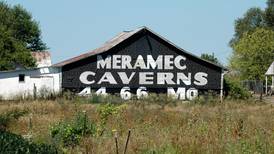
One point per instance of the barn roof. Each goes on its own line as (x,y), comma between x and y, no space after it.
(270,70)
(119,39)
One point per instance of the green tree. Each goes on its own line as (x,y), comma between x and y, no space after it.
(253,54)
(269,14)
(19,35)
(252,19)
(210,57)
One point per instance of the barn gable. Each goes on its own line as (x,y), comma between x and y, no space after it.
(139,58)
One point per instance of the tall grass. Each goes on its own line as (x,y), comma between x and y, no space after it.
(158,124)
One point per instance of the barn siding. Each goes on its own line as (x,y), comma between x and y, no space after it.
(144,43)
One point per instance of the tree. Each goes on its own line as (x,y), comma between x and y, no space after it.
(269,14)
(19,35)
(253,54)
(210,58)
(252,19)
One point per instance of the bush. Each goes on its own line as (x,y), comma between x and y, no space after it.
(105,111)
(208,98)
(160,99)
(12,143)
(98,99)
(234,90)
(7,117)
(69,133)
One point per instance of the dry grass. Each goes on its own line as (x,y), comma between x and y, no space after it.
(230,127)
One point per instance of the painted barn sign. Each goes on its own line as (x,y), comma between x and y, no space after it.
(138,63)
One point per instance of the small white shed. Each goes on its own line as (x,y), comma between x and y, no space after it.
(269,73)
(23,83)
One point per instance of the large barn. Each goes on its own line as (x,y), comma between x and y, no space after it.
(137,62)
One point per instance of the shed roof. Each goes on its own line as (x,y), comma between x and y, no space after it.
(270,71)
(119,39)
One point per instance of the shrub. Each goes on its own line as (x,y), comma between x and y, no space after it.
(113,99)
(70,132)
(7,117)
(208,98)
(12,143)
(234,90)
(105,111)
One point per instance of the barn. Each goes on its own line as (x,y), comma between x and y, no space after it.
(135,63)
(139,62)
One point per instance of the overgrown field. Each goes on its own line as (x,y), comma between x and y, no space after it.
(75,126)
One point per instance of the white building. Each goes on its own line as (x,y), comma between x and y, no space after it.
(29,82)
(270,73)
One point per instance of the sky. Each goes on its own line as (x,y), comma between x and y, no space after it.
(73,27)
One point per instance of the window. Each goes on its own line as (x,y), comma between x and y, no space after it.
(21,77)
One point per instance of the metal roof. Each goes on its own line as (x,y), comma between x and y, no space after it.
(270,70)
(105,47)
(120,38)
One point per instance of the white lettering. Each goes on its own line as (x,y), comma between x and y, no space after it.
(153,64)
(200,79)
(116,61)
(140,63)
(84,77)
(103,63)
(179,94)
(107,77)
(126,62)
(146,77)
(177,62)
(182,77)
(163,78)
(124,78)
(191,93)
(168,62)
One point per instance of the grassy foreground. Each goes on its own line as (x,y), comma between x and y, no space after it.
(228,127)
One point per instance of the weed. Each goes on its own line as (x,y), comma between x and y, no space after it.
(12,143)
(70,132)
(7,117)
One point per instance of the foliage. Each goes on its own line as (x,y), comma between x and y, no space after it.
(12,143)
(70,132)
(8,117)
(234,90)
(210,57)
(113,99)
(207,98)
(252,19)
(105,111)
(253,54)
(235,126)
(19,34)
(269,14)
(253,42)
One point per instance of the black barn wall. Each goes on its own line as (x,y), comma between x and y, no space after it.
(143,43)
